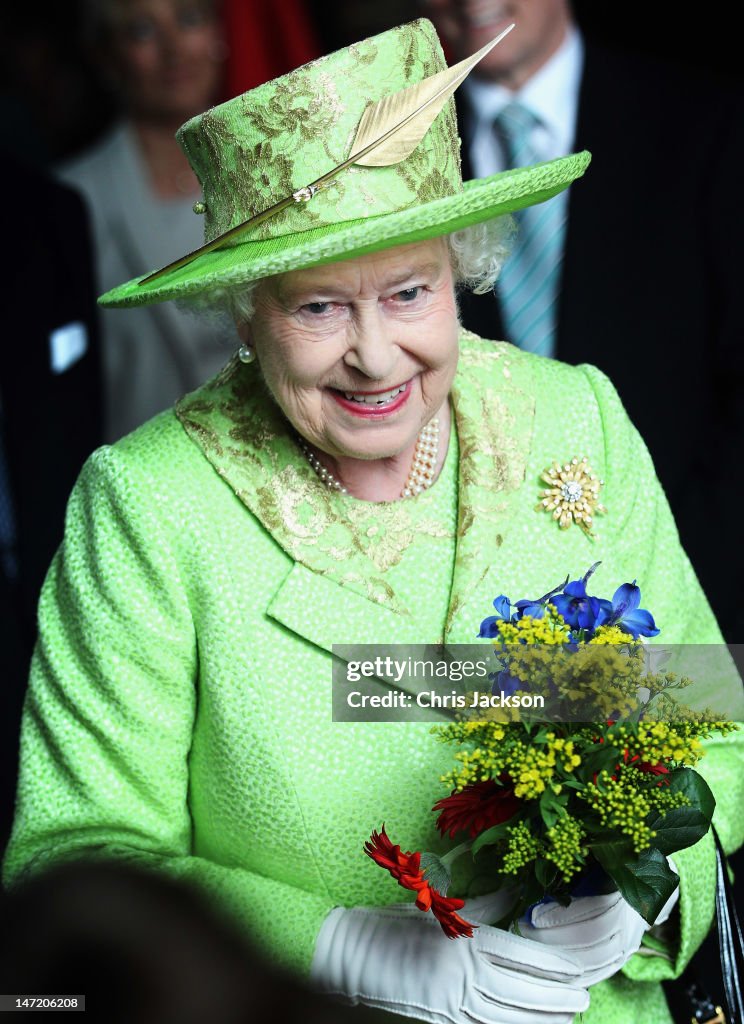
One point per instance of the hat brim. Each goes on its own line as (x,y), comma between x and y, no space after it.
(480,200)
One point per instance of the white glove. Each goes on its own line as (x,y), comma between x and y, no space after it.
(397,958)
(601,932)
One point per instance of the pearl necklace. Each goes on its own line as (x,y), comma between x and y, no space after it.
(420,476)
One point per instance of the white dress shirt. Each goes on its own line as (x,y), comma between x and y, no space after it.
(552,94)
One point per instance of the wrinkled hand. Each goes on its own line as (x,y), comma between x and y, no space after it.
(397,958)
(601,932)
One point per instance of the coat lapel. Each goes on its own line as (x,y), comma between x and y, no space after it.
(495,423)
(252,447)
(311,605)
(341,547)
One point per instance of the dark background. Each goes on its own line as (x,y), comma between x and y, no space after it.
(54,105)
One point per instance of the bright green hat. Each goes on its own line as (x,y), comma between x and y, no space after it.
(260,148)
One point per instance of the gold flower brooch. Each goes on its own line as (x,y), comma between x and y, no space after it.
(572,494)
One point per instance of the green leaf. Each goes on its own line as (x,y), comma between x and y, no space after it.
(551,808)
(600,832)
(490,836)
(645,880)
(602,757)
(573,784)
(695,788)
(546,873)
(532,889)
(678,828)
(435,872)
(683,826)
(612,853)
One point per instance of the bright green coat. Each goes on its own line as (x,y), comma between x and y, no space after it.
(179,704)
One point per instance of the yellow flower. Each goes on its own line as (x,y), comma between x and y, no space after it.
(611,635)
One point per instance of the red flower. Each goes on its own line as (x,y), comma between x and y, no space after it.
(406,869)
(653,769)
(647,767)
(477,807)
(642,766)
(444,910)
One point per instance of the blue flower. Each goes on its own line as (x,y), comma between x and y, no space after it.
(507,684)
(579,609)
(534,608)
(628,616)
(490,627)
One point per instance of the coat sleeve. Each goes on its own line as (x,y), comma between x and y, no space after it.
(109,712)
(645,537)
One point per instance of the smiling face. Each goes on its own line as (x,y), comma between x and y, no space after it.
(360,354)
(466,25)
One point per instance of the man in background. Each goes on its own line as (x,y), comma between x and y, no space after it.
(636,268)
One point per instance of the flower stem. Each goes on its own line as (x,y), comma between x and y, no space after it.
(448,858)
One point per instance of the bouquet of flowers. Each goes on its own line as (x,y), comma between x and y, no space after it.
(591,797)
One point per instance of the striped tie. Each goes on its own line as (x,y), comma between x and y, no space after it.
(529,283)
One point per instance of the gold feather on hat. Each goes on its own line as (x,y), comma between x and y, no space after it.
(389,131)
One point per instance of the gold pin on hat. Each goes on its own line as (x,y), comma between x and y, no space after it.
(572,495)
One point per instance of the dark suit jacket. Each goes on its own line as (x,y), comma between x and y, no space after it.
(51,421)
(650,285)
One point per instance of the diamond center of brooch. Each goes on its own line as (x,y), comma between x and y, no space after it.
(572,490)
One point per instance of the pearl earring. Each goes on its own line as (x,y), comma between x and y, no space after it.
(246,354)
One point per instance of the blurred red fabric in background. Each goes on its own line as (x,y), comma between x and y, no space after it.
(265,38)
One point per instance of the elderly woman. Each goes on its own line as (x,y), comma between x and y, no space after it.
(361,472)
